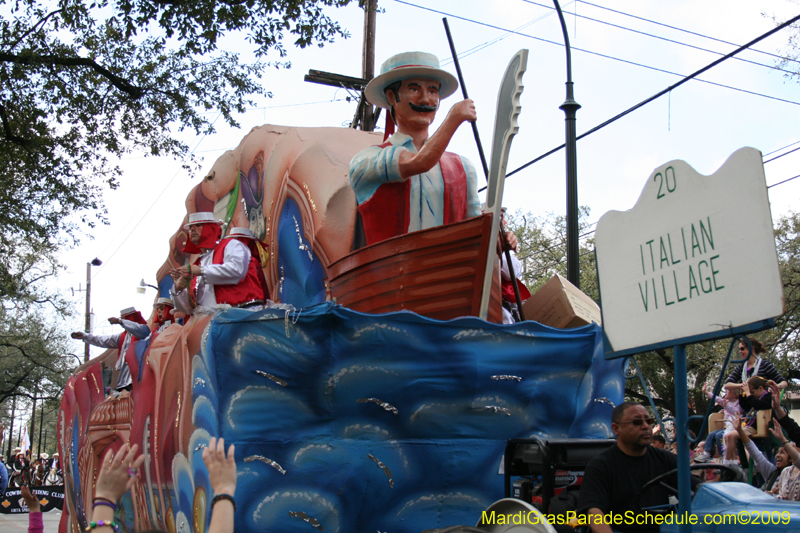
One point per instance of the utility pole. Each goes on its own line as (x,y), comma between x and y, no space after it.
(365,117)
(88,326)
(368,116)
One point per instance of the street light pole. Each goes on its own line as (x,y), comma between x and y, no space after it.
(570,108)
(87,328)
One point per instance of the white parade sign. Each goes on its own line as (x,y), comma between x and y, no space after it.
(693,259)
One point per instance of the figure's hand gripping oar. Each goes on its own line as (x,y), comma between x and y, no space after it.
(505,127)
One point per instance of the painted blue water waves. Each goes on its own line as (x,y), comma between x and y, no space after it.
(346,422)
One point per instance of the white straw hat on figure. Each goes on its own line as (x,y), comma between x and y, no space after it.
(201,217)
(405,66)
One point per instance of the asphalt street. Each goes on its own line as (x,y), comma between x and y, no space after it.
(18,523)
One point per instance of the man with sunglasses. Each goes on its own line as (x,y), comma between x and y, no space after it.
(612,484)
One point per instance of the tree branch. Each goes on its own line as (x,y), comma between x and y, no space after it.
(120,83)
(33,28)
(9,134)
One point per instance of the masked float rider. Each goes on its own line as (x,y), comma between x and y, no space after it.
(225,274)
(163,309)
(410,183)
(135,327)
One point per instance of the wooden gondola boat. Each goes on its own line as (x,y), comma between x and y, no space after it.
(437,273)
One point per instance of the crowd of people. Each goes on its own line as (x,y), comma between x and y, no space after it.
(614,479)
(20,470)
(118,473)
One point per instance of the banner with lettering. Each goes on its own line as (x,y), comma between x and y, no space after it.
(694,259)
(50,498)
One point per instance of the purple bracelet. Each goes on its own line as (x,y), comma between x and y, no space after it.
(103,502)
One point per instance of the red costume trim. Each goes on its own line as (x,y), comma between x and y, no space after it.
(252,287)
(209,236)
(385,214)
(507,289)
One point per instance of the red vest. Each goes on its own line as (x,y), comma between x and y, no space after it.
(385,213)
(247,290)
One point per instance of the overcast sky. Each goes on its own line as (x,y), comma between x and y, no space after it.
(617,63)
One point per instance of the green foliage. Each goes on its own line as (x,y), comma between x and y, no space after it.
(84,83)
(543,250)
(31,356)
(784,339)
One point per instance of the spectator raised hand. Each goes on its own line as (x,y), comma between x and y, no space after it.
(222,475)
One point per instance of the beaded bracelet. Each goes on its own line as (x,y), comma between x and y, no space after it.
(101,523)
(104,502)
(228,497)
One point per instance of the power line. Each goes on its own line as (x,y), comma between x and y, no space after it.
(683,30)
(673,41)
(563,242)
(479,47)
(782,148)
(598,54)
(106,261)
(779,156)
(661,93)
(559,244)
(782,182)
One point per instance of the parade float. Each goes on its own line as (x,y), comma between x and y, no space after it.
(370,397)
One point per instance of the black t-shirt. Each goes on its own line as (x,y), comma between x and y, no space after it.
(613,481)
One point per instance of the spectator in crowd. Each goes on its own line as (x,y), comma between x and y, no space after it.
(35,523)
(756,397)
(3,477)
(754,366)
(791,427)
(770,472)
(118,473)
(731,411)
(659,441)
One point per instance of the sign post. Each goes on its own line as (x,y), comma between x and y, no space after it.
(694,260)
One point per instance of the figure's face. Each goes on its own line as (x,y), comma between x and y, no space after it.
(160,309)
(195,230)
(417,103)
(636,427)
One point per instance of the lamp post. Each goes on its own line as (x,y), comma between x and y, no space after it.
(142,288)
(570,108)
(89,265)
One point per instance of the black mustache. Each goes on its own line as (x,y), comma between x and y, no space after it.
(422,108)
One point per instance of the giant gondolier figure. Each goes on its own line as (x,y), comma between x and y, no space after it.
(410,182)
